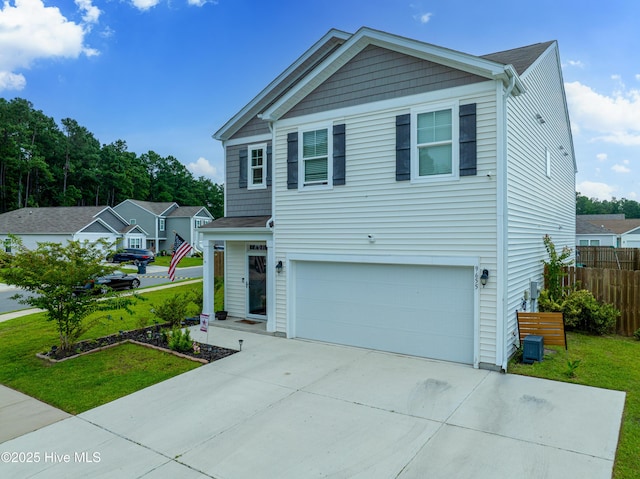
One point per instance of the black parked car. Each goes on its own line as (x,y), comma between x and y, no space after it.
(133,254)
(115,280)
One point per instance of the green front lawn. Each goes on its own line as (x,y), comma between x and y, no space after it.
(184,262)
(89,381)
(611,362)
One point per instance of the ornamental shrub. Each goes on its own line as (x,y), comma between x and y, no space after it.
(180,340)
(582,312)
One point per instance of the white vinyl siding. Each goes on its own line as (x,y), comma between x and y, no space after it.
(537,204)
(438,218)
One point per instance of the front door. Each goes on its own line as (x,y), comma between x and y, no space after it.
(257,285)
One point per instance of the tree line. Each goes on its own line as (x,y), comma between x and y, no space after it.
(593,206)
(44,164)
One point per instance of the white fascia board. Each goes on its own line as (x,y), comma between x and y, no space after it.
(236,234)
(364,37)
(247,140)
(225,132)
(405,102)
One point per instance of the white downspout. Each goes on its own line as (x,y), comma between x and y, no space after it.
(502,206)
(271,244)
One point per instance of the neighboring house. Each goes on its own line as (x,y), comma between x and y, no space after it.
(607,230)
(377,184)
(163,220)
(64,223)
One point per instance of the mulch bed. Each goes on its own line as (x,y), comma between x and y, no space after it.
(150,336)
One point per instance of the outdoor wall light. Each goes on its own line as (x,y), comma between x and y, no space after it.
(279,267)
(484,277)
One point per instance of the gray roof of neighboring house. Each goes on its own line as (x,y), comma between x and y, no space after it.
(584,227)
(605,226)
(612,216)
(59,220)
(239,222)
(189,211)
(521,58)
(157,208)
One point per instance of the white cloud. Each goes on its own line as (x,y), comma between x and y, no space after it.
(423,17)
(638,76)
(144,4)
(30,31)
(592,189)
(202,167)
(575,63)
(602,156)
(91,13)
(620,169)
(614,118)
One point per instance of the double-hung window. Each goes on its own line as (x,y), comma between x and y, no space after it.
(161,224)
(257,166)
(316,164)
(435,138)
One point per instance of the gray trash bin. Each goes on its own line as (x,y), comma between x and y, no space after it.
(142,267)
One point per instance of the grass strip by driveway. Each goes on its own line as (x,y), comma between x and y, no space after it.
(88,381)
(611,362)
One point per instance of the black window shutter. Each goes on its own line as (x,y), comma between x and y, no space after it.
(242,174)
(339,167)
(292,160)
(403,147)
(468,150)
(269,164)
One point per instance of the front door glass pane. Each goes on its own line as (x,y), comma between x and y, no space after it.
(258,285)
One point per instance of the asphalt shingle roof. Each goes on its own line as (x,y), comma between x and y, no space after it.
(60,220)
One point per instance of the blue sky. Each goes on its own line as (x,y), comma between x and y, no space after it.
(164,75)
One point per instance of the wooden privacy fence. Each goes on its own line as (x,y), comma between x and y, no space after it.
(607,257)
(218,264)
(621,288)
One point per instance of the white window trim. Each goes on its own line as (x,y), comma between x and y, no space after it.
(135,242)
(455,142)
(161,224)
(329,184)
(250,184)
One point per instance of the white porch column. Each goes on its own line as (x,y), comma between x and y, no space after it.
(208,279)
(271,287)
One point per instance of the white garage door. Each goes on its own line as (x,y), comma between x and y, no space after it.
(411,309)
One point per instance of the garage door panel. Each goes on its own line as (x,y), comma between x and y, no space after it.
(419,310)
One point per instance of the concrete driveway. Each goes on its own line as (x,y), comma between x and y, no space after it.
(296,409)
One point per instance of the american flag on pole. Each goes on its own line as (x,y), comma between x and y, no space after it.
(180,249)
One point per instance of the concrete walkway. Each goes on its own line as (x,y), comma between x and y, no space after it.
(296,409)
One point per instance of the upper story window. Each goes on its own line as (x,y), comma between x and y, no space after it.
(257,158)
(434,139)
(132,221)
(161,224)
(316,164)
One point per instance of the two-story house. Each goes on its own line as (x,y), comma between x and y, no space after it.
(59,224)
(162,220)
(391,194)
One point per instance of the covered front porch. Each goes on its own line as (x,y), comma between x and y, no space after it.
(249,271)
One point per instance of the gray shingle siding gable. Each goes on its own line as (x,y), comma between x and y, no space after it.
(255,126)
(379,74)
(96,227)
(243,201)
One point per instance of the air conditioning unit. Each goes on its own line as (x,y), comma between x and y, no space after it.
(533,349)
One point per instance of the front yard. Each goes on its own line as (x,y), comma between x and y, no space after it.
(88,381)
(611,362)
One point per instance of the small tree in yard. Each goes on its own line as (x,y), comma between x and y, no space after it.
(52,273)
(554,269)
